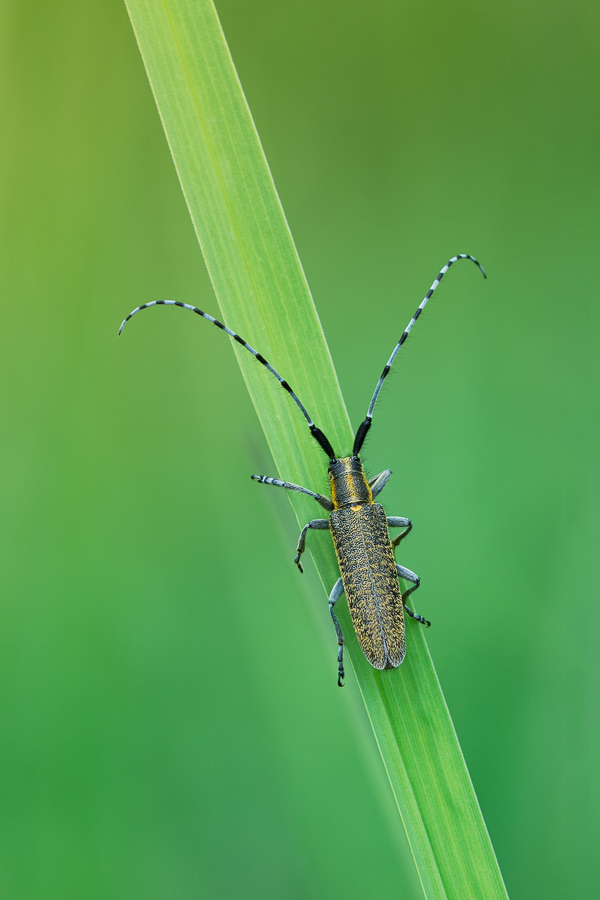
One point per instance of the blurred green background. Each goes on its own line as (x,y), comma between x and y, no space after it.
(171,725)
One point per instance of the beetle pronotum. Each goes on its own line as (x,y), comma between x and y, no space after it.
(358,525)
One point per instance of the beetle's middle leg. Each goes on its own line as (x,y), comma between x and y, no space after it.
(416,581)
(335,595)
(399,522)
(314,523)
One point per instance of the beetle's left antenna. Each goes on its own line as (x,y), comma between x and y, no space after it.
(364,426)
(316,432)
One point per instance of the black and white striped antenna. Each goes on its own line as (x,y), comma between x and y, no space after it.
(364,426)
(316,432)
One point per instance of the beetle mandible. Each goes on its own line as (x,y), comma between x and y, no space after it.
(358,525)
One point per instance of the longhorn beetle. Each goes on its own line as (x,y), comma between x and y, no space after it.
(358,525)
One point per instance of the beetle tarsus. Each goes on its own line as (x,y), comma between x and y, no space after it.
(341,663)
(417,618)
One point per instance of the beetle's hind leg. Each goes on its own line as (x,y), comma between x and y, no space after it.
(314,523)
(400,522)
(408,576)
(416,581)
(417,618)
(335,595)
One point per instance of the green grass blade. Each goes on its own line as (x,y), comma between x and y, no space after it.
(263,294)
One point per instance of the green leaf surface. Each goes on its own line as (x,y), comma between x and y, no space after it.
(263,294)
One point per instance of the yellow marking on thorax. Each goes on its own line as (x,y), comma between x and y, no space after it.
(349,486)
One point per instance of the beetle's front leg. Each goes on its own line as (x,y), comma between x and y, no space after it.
(378,483)
(399,522)
(315,523)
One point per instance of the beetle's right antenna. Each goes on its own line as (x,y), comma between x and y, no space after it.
(364,426)
(316,432)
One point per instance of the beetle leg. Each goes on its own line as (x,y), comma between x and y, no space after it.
(378,483)
(413,615)
(416,581)
(399,522)
(314,523)
(335,595)
(408,576)
(325,502)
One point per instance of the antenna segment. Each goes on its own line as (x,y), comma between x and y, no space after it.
(316,432)
(364,427)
